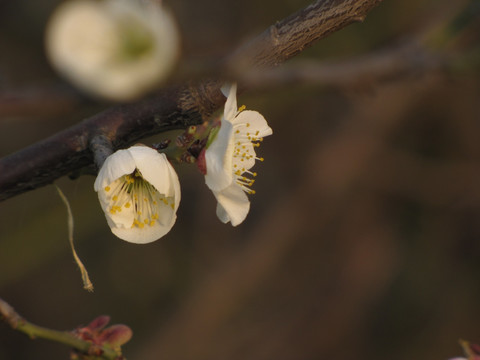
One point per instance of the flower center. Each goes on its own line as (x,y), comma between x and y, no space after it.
(136,39)
(133,192)
(244,156)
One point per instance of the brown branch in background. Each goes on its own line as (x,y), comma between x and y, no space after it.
(37,101)
(409,58)
(176,107)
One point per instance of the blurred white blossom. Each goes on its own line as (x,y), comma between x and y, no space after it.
(139,193)
(116,49)
(230,156)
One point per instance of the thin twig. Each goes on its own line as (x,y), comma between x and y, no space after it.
(17,322)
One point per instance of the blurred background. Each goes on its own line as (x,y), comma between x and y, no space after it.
(363,239)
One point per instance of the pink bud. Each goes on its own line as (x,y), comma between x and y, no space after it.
(475,349)
(115,335)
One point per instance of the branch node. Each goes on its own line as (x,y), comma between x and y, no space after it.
(274,34)
(101,147)
(9,315)
(359,18)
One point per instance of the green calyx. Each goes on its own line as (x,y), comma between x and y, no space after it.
(212,135)
(137,40)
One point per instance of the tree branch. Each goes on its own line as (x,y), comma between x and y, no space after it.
(292,35)
(176,107)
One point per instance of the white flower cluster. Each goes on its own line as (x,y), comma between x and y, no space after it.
(139,190)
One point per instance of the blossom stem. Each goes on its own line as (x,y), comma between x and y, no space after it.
(17,322)
(173,153)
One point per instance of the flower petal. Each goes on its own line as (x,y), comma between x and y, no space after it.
(144,235)
(123,218)
(116,165)
(219,159)
(257,125)
(230,91)
(155,168)
(233,205)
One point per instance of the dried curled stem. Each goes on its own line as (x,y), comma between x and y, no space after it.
(176,107)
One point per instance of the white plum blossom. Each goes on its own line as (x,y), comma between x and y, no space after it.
(116,49)
(139,193)
(231,155)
